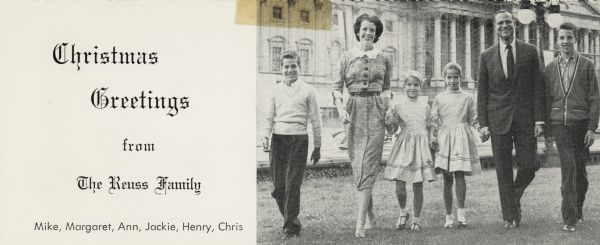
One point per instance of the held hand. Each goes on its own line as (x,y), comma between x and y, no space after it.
(549,143)
(316,155)
(344,116)
(433,144)
(389,118)
(388,136)
(386,101)
(539,130)
(265,144)
(484,130)
(485,134)
(589,138)
(484,138)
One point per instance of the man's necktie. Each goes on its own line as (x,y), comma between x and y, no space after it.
(510,62)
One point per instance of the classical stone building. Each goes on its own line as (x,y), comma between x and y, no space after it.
(418,35)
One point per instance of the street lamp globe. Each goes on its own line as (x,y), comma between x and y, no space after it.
(525,16)
(554,20)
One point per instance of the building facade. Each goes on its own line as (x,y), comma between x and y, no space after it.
(418,35)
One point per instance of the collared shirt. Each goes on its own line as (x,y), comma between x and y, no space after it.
(504,55)
(355,52)
(567,69)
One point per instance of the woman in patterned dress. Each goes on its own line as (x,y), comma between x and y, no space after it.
(365,72)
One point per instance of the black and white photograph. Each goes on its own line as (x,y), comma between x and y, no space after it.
(299,122)
(427,122)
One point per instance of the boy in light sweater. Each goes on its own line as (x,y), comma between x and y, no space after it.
(292,104)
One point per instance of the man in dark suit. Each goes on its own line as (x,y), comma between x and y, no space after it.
(510,104)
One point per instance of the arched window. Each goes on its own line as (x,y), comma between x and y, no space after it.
(392,54)
(305,52)
(276,48)
(389,26)
(334,19)
(335,51)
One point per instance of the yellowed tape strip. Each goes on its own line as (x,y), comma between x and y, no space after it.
(304,14)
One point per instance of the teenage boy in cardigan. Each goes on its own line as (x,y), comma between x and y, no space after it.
(292,104)
(572,111)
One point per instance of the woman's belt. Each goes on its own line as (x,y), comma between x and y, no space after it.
(364,93)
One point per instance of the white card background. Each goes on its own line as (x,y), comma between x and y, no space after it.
(50,133)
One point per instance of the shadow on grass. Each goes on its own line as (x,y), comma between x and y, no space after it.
(328,213)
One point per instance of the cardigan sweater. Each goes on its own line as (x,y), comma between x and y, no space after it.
(579,101)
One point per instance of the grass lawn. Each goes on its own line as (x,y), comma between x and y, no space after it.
(328,213)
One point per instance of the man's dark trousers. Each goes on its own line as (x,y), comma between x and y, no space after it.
(288,160)
(511,190)
(573,158)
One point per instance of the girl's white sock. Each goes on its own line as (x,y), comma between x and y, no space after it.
(460,215)
(415,220)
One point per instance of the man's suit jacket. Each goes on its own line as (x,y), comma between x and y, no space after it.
(500,101)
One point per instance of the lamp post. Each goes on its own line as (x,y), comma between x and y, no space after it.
(526,15)
(554,19)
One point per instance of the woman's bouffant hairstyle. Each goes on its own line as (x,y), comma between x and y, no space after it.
(371,18)
(414,74)
(453,66)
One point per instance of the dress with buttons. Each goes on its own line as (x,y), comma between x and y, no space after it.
(364,72)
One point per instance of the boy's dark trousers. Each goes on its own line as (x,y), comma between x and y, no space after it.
(288,160)
(573,159)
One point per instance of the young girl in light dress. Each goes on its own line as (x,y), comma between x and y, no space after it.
(410,159)
(454,115)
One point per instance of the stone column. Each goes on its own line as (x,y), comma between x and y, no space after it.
(452,38)
(420,45)
(481,23)
(495,32)
(526,33)
(403,44)
(551,38)
(437,48)
(482,35)
(538,36)
(410,37)
(467,76)
(597,49)
(354,11)
(586,41)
